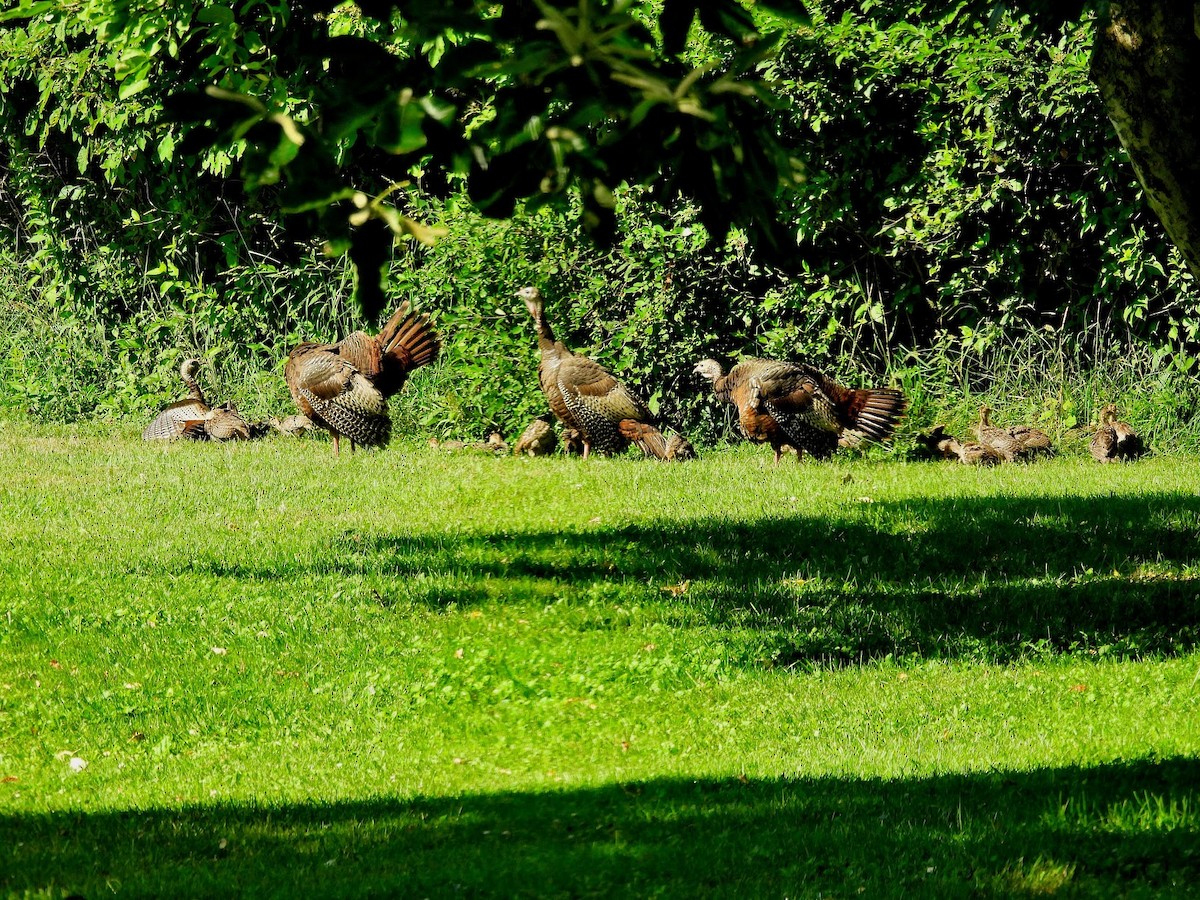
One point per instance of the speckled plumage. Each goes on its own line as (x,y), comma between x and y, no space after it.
(292,425)
(538,439)
(343,387)
(1017,443)
(794,405)
(1115,440)
(587,397)
(173,420)
(225,423)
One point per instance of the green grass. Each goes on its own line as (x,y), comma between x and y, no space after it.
(417,674)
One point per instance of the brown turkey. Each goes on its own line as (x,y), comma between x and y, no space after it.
(173,421)
(1115,440)
(344,387)
(1017,443)
(293,425)
(938,444)
(587,397)
(538,439)
(223,423)
(793,405)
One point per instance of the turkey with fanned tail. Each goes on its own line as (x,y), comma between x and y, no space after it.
(174,419)
(794,405)
(344,387)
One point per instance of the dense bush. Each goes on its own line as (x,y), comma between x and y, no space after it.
(968,227)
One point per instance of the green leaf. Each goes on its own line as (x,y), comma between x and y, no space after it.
(130,87)
(400,126)
(27,10)
(215,15)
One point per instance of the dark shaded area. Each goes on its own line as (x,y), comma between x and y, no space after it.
(1103,831)
(985,578)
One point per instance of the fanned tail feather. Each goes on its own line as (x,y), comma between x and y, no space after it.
(409,339)
(876,413)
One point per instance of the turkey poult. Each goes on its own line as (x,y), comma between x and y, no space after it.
(494,444)
(224,423)
(588,398)
(1115,440)
(538,439)
(293,425)
(793,405)
(1018,442)
(938,444)
(974,453)
(343,387)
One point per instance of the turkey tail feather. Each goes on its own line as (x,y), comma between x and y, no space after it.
(409,339)
(875,414)
(647,438)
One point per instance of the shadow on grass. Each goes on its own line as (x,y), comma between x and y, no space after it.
(1112,830)
(983,577)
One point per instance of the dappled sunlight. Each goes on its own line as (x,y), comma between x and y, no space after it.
(990,577)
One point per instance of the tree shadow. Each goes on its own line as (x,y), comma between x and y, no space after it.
(1126,828)
(990,577)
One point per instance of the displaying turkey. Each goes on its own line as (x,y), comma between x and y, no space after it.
(1115,440)
(793,405)
(588,398)
(194,418)
(538,439)
(1016,443)
(181,418)
(172,422)
(344,387)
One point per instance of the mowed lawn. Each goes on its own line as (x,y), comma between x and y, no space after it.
(258,670)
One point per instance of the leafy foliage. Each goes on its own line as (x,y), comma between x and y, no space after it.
(964,208)
(524,100)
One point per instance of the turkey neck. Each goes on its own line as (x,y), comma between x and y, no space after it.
(544,332)
(193,388)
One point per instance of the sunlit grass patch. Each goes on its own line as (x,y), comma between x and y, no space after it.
(403,671)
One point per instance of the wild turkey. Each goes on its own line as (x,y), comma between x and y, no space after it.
(974,453)
(937,444)
(171,422)
(343,387)
(680,448)
(1115,440)
(291,425)
(572,442)
(588,398)
(1034,440)
(225,423)
(538,439)
(676,447)
(1019,442)
(494,444)
(793,405)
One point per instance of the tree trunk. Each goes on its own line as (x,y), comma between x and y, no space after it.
(1146,63)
